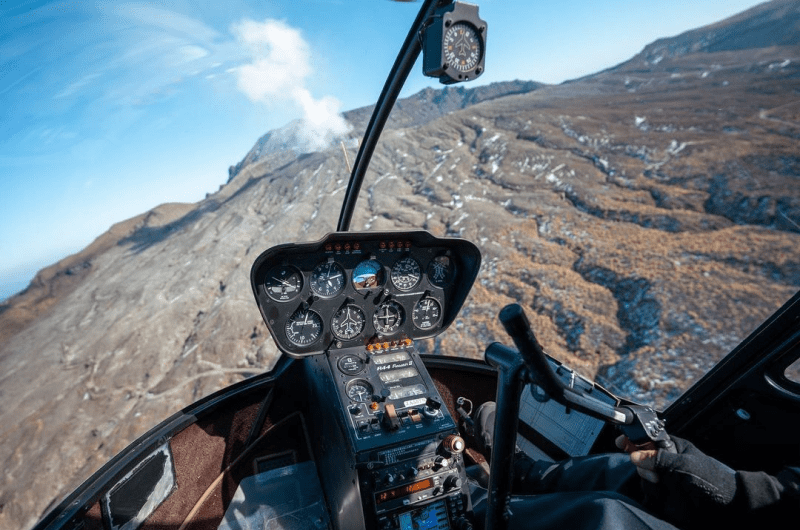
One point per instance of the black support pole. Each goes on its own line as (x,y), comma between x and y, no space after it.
(510,382)
(397,77)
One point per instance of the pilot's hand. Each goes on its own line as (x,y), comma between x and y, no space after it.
(682,482)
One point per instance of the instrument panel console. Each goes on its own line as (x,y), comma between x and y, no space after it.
(351,305)
(374,289)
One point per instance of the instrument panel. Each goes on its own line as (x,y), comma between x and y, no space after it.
(376,289)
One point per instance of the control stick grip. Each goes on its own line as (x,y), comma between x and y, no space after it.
(519,329)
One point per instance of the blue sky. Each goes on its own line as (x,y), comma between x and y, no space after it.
(108,109)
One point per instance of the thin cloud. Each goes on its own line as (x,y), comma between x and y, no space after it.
(280,63)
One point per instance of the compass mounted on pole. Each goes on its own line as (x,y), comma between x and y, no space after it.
(454,44)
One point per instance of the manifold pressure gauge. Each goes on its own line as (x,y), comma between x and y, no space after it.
(454,44)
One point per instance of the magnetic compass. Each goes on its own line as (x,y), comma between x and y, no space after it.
(348,322)
(462,46)
(454,46)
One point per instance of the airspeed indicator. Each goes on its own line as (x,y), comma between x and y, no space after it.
(303,327)
(327,279)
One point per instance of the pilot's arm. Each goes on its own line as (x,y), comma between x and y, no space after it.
(689,487)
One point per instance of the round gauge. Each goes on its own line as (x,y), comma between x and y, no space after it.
(283,283)
(348,322)
(426,313)
(441,271)
(303,327)
(388,318)
(351,364)
(359,390)
(462,46)
(327,279)
(406,273)
(368,274)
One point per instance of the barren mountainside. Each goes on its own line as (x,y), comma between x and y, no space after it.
(647,217)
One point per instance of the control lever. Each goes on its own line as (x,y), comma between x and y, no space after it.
(514,370)
(639,423)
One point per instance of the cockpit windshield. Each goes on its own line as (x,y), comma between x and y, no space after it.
(647,216)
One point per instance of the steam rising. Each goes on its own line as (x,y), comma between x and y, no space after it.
(280,64)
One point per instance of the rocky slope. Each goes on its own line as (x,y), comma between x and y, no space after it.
(648,217)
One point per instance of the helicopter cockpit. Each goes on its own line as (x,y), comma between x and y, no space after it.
(351,306)
(356,426)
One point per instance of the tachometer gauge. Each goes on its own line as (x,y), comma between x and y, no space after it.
(441,271)
(304,327)
(368,274)
(388,318)
(348,322)
(359,390)
(283,283)
(426,313)
(406,273)
(327,279)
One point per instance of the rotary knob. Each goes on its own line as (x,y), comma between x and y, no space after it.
(453,444)
(452,482)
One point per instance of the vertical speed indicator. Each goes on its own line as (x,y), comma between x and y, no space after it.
(426,313)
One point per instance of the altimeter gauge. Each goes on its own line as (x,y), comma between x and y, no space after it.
(388,317)
(304,327)
(426,313)
(283,283)
(348,322)
(406,273)
(327,279)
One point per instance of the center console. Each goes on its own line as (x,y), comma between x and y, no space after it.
(399,444)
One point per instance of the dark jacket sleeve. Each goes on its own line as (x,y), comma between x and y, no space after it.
(758,491)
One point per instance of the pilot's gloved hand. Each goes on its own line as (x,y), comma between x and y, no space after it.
(682,484)
(693,490)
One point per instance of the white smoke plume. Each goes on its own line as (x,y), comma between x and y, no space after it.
(277,73)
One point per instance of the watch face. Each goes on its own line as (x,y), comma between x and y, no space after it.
(462,47)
